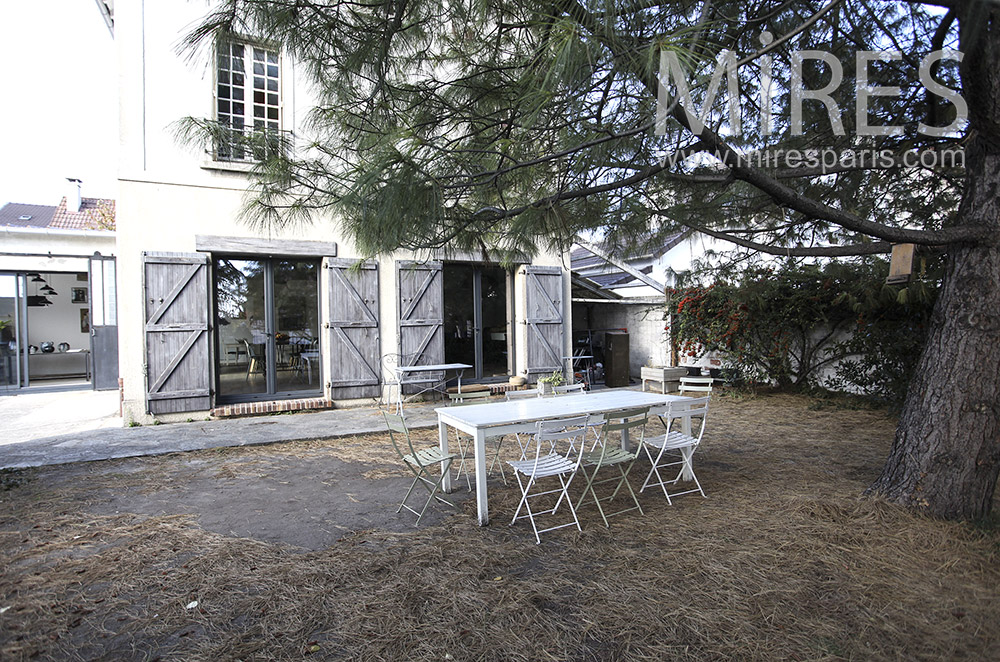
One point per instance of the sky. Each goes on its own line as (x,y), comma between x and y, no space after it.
(58,101)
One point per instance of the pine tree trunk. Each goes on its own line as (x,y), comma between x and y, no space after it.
(946,454)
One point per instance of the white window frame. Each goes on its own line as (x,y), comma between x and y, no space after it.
(261,108)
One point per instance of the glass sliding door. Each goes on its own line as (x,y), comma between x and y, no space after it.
(296,317)
(11,325)
(267,322)
(476,313)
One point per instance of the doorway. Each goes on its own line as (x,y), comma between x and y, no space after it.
(267,328)
(45,327)
(476,319)
(12,361)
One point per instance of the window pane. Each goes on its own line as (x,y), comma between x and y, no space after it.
(223,107)
(258,68)
(223,91)
(272,58)
(238,50)
(238,108)
(258,83)
(272,113)
(242,336)
(238,93)
(97,294)
(296,313)
(272,70)
(272,85)
(110,293)
(258,54)
(272,99)
(224,77)
(258,111)
(238,79)
(258,97)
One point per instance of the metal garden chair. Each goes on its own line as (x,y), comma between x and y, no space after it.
(696,385)
(570,433)
(676,449)
(420,462)
(522,395)
(610,454)
(473,398)
(566,389)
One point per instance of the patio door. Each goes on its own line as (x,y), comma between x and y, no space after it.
(103,323)
(477,318)
(267,328)
(13,349)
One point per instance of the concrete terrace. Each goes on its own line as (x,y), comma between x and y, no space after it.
(105,443)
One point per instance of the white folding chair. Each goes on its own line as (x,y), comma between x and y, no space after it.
(551,461)
(419,462)
(570,389)
(513,396)
(610,454)
(696,385)
(521,395)
(473,398)
(676,449)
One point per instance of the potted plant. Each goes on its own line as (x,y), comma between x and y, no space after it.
(548,383)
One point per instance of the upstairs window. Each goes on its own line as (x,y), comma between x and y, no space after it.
(248,101)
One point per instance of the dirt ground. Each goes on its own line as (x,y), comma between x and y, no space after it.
(295,551)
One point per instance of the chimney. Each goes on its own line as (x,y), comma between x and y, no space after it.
(73,199)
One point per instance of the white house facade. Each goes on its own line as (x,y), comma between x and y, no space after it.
(214,314)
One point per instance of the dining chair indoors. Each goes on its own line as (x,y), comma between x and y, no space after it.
(420,462)
(676,449)
(255,362)
(558,449)
(610,454)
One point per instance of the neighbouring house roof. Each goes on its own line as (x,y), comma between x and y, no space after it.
(93,215)
(26,216)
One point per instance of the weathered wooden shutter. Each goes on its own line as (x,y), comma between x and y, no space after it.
(543,296)
(354,332)
(421,315)
(178,351)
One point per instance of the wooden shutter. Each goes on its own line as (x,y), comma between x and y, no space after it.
(178,351)
(421,315)
(353,329)
(543,298)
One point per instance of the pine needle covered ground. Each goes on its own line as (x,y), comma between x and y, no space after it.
(293,551)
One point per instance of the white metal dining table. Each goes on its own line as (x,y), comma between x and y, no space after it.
(521,416)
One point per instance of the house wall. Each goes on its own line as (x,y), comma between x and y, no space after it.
(644,322)
(169,193)
(29,249)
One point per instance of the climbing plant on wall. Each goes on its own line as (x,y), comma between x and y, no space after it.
(784,324)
